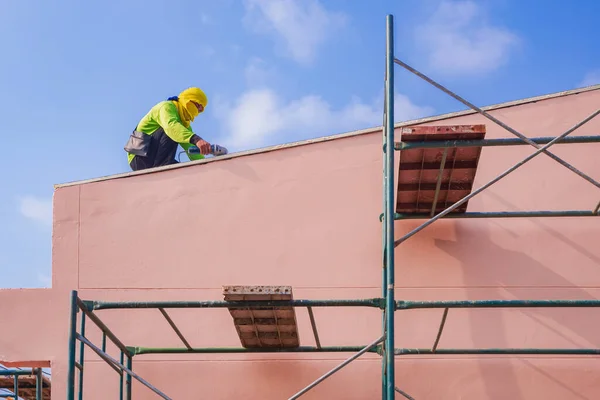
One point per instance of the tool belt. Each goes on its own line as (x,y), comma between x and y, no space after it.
(138,143)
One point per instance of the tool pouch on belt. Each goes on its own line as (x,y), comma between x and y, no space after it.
(138,143)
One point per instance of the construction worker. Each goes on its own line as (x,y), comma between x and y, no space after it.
(154,141)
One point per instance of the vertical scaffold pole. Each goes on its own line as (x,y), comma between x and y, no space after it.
(16,386)
(39,384)
(388,354)
(128,382)
(81,357)
(72,339)
(383,230)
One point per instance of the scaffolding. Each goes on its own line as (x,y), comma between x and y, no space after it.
(24,383)
(264,317)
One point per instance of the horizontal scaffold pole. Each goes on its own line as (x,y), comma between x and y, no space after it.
(234,350)
(503,214)
(16,372)
(498,351)
(410,305)
(492,142)
(105,305)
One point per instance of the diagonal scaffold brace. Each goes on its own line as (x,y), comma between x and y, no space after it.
(497,121)
(496,179)
(114,363)
(338,367)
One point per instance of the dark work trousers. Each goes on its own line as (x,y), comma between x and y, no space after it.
(161,152)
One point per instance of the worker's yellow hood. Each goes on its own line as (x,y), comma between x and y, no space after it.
(188,111)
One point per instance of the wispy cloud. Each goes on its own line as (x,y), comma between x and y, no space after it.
(459,38)
(259,73)
(261,117)
(302,26)
(37,209)
(591,78)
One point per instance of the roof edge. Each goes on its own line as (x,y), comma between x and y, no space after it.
(321,139)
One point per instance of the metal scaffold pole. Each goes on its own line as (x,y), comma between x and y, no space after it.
(383,226)
(388,352)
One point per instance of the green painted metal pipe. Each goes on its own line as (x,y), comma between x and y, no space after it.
(81,356)
(438,184)
(233,350)
(128,382)
(313,325)
(373,302)
(408,305)
(384,196)
(72,340)
(175,328)
(389,212)
(122,361)
(337,368)
(406,395)
(100,353)
(492,142)
(383,233)
(498,351)
(16,372)
(503,214)
(440,329)
(39,384)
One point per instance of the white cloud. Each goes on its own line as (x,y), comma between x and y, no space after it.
(591,78)
(301,25)
(36,209)
(260,117)
(458,38)
(259,73)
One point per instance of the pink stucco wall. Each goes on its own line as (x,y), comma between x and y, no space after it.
(307,216)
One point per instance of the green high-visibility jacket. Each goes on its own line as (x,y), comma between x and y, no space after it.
(165,115)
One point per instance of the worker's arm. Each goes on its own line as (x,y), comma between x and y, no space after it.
(194,156)
(168,119)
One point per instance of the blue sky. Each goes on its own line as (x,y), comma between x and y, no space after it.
(76,77)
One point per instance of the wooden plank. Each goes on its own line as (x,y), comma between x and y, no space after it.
(263,327)
(419,169)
